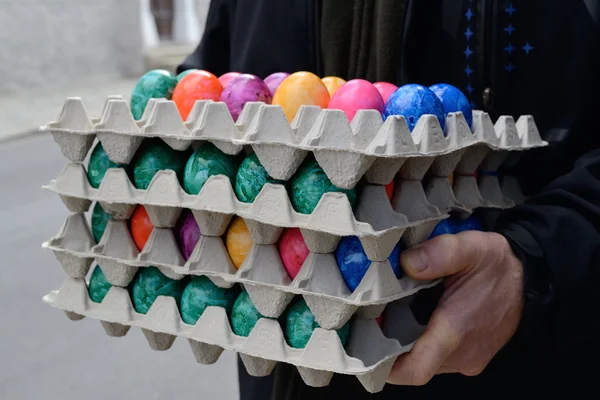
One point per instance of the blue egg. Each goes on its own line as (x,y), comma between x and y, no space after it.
(412,101)
(453,100)
(469,224)
(445,226)
(353,261)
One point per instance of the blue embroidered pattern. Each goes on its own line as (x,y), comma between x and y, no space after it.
(509,30)
(469,14)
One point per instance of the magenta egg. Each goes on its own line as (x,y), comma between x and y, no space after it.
(293,251)
(273,80)
(228,77)
(188,234)
(385,89)
(355,95)
(243,89)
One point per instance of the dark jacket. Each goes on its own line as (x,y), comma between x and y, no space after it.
(538,57)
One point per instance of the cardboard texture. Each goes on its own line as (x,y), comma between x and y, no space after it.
(366,153)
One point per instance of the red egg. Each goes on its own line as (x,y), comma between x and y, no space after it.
(385,89)
(141,227)
(197,85)
(389,189)
(228,77)
(355,95)
(293,250)
(379,320)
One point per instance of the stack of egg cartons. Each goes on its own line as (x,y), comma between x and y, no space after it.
(368,152)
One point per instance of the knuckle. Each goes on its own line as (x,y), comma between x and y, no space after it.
(473,370)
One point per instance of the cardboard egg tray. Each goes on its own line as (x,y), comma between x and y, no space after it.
(367,149)
(369,354)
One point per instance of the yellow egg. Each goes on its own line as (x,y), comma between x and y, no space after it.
(298,89)
(451,179)
(332,83)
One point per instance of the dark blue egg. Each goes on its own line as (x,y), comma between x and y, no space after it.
(469,224)
(412,101)
(453,100)
(445,226)
(353,261)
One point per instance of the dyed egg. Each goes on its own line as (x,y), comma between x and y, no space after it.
(451,179)
(300,324)
(188,234)
(205,162)
(413,101)
(184,73)
(140,226)
(471,223)
(228,77)
(155,155)
(273,80)
(201,293)
(243,89)
(332,83)
(355,95)
(379,320)
(238,241)
(99,163)
(453,100)
(385,89)
(148,284)
(196,85)
(353,261)
(250,179)
(293,251)
(298,89)
(389,189)
(157,84)
(244,315)
(310,183)
(98,286)
(445,226)
(100,219)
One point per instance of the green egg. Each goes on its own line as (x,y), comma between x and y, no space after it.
(99,163)
(201,293)
(250,179)
(149,283)
(205,162)
(244,315)
(98,286)
(184,73)
(158,84)
(100,219)
(155,155)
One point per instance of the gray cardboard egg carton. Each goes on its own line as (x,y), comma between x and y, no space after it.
(346,151)
(369,353)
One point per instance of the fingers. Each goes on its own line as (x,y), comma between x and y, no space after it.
(427,356)
(445,255)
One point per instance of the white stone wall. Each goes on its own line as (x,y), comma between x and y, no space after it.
(54,42)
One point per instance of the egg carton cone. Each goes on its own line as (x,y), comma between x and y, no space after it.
(369,354)
(262,273)
(347,151)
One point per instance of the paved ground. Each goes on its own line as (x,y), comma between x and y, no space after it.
(43,355)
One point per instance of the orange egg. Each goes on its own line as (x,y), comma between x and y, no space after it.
(238,241)
(332,83)
(140,226)
(197,85)
(451,179)
(298,89)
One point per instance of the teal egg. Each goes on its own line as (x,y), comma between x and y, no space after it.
(98,286)
(184,73)
(200,293)
(158,84)
(250,179)
(310,183)
(155,155)
(244,315)
(99,163)
(205,162)
(300,324)
(100,219)
(148,284)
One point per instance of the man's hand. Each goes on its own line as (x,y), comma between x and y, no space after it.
(478,313)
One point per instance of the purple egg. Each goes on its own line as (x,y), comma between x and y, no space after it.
(273,80)
(188,234)
(243,89)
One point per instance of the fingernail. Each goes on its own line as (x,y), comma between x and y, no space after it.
(415,259)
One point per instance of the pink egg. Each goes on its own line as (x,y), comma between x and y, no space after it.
(273,80)
(243,89)
(355,95)
(385,89)
(293,250)
(228,77)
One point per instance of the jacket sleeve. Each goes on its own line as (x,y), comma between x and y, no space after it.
(212,54)
(556,234)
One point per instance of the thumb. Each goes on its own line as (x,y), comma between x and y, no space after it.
(445,255)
